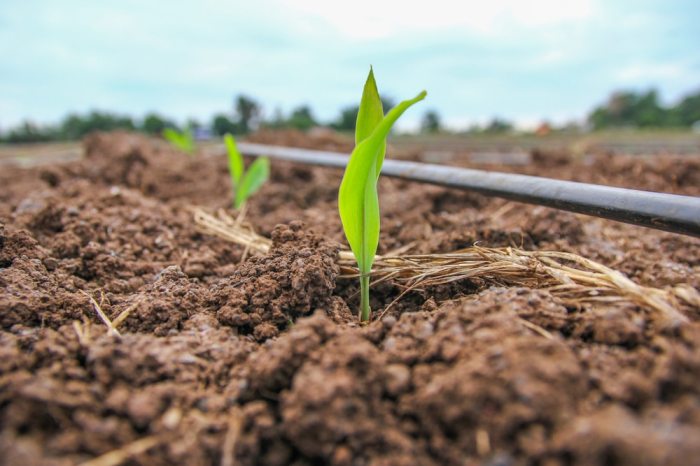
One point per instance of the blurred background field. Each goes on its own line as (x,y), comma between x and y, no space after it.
(501,148)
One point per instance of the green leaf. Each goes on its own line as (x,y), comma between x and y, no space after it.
(369,115)
(188,141)
(183,141)
(358,202)
(172,136)
(235,160)
(254,178)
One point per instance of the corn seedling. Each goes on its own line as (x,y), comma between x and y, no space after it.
(358,201)
(182,140)
(244,183)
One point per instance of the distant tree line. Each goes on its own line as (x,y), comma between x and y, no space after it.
(623,109)
(643,110)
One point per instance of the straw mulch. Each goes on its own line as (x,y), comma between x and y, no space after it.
(573,279)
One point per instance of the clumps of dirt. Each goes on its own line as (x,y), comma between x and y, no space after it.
(322,394)
(477,380)
(348,417)
(118,238)
(613,435)
(260,362)
(476,385)
(266,294)
(663,172)
(131,160)
(547,227)
(164,305)
(157,170)
(488,378)
(320,139)
(271,370)
(34,293)
(550,158)
(67,397)
(18,244)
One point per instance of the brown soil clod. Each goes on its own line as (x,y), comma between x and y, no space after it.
(268,293)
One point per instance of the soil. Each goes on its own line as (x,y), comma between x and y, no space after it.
(220,358)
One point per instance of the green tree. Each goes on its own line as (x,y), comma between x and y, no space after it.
(347,119)
(625,108)
(28,131)
(387,104)
(498,125)
(155,124)
(688,109)
(277,121)
(247,113)
(647,112)
(222,124)
(75,126)
(301,118)
(430,122)
(193,124)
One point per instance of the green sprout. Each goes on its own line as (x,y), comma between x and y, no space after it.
(182,140)
(244,183)
(358,201)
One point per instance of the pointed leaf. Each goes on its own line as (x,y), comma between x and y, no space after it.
(188,141)
(172,136)
(369,115)
(254,178)
(235,160)
(370,112)
(182,141)
(358,202)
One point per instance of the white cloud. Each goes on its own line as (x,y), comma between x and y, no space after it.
(374,19)
(675,78)
(630,74)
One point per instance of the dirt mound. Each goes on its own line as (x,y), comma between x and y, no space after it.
(267,294)
(317,138)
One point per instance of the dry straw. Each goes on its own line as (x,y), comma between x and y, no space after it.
(573,279)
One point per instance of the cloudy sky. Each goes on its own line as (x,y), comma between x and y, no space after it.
(523,60)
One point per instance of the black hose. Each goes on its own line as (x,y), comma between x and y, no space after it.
(669,212)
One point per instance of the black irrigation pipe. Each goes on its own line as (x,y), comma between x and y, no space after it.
(669,212)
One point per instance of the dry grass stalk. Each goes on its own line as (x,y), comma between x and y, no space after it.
(572,278)
(83,331)
(235,424)
(123,454)
(111,329)
(124,314)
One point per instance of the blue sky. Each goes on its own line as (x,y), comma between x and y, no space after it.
(522,60)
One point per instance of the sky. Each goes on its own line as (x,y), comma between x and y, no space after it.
(525,61)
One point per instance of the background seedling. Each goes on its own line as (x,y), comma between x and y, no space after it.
(182,140)
(358,201)
(244,183)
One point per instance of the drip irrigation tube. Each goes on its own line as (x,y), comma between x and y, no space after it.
(669,212)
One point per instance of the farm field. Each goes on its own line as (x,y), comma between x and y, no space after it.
(443,148)
(131,334)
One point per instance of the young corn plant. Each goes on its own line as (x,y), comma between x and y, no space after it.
(244,183)
(182,140)
(358,201)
